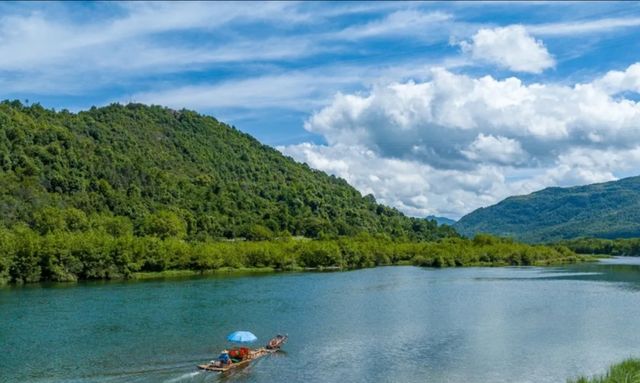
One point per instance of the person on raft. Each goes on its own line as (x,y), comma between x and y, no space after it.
(224,358)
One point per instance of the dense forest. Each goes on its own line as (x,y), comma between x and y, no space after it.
(605,210)
(157,171)
(114,191)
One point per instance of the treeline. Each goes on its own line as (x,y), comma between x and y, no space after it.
(29,256)
(619,247)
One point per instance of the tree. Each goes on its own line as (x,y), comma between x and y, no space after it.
(165,224)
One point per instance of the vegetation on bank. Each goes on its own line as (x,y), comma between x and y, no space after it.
(28,256)
(625,372)
(620,247)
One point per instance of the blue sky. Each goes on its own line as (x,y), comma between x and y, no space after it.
(435,108)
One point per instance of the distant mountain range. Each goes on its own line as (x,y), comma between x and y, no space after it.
(441,220)
(603,210)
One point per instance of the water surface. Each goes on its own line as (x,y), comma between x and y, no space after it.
(388,324)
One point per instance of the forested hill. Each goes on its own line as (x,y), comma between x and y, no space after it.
(605,210)
(149,170)
(441,220)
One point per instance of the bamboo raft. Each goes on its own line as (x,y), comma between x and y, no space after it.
(253,355)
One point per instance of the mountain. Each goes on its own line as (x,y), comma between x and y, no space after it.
(441,220)
(155,171)
(604,210)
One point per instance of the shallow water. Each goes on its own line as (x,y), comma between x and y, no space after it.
(388,324)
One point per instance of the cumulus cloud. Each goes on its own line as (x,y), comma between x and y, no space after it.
(509,47)
(500,149)
(454,142)
(439,121)
(621,81)
(412,186)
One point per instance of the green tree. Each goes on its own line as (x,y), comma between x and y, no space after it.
(258,233)
(164,224)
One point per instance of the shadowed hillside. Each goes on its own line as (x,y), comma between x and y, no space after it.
(605,210)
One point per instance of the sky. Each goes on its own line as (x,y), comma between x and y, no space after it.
(434,108)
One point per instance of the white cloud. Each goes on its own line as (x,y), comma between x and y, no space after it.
(621,81)
(454,142)
(437,120)
(583,27)
(54,52)
(500,149)
(64,50)
(403,22)
(411,186)
(585,165)
(44,51)
(126,42)
(294,91)
(510,47)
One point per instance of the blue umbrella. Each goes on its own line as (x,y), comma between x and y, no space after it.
(241,337)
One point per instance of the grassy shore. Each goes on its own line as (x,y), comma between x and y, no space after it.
(624,372)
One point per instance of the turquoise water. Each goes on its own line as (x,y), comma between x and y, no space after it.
(388,324)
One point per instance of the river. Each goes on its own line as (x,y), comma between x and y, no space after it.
(386,324)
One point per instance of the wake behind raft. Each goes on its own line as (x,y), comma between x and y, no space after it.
(241,356)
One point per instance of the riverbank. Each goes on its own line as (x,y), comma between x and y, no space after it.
(622,247)
(66,257)
(627,371)
(170,274)
(192,273)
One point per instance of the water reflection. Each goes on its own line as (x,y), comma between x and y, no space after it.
(625,272)
(385,325)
